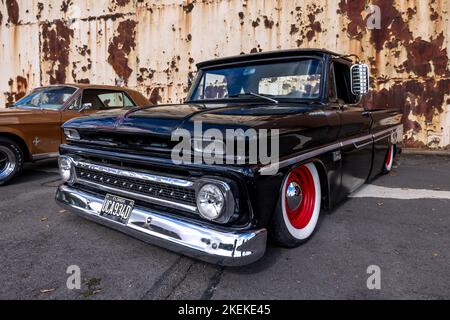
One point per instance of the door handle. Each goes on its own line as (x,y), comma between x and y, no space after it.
(366,114)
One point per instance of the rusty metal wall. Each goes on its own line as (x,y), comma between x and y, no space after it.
(154,45)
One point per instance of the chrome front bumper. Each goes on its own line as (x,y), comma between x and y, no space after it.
(194,240)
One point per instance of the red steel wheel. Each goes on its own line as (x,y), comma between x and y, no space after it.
(300,196)
(389,158)
(301,202)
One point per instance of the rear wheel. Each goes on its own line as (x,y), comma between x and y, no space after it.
(11,160)
(388,163)
(298,207)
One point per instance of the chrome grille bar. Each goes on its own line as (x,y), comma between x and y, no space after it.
(166,191)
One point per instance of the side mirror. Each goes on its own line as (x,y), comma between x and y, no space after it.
(360,79)
(85,106)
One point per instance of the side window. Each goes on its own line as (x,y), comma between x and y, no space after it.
(343,89)
(106,99)
(128,102)
(112,99)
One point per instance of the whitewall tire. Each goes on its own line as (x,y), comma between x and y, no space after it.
(299,206)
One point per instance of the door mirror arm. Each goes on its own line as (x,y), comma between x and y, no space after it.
(85,106)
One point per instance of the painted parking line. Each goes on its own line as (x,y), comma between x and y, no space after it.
(372,191)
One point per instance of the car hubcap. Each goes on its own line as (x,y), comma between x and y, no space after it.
(294,196)
(300,197)
(7,162)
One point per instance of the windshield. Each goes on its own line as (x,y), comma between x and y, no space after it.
(284,80)
(50,98)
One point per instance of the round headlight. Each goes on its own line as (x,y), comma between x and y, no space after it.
(210,202)
(72,134)
(65,168)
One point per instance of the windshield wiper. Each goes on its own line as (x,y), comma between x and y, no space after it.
(265,97)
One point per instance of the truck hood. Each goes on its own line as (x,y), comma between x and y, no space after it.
(162,120)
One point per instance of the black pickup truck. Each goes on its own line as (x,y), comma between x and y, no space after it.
(303,141)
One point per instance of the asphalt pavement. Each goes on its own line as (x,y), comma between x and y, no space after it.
(408,240)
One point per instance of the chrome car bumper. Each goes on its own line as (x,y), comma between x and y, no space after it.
(194,240)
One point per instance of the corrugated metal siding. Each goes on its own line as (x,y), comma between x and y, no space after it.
(154,45)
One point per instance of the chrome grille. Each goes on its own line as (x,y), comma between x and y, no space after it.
(142,187)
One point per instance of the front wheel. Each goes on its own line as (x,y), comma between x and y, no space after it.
(11,160)
(298,207)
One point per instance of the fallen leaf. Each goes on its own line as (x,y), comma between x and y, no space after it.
(435,254)
(47,290)
(380,203)
(62,211)
(44,219)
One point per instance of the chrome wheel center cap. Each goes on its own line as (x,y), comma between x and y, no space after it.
(294,196)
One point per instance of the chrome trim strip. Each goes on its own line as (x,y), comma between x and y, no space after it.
(311,154)
(137,195)
(381,137)
(331,147)
(136,175)
(383,132)
(42,156)
(195,240)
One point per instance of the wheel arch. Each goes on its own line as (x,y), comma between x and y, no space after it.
(20,141)
(324,182)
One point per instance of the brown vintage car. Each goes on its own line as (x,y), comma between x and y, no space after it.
(30,129)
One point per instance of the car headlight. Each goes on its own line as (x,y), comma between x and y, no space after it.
(210,201)
(72,134)
(65,168)
(215,199)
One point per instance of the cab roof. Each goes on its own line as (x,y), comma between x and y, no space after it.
(266,56)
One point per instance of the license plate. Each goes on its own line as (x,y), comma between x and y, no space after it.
(117,208)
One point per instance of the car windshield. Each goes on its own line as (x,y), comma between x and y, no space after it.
(50,98)
(282,80)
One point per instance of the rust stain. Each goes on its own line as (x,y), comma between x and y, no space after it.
(427,56)
(18,92)
(120,47)
(155,96)
(40,7)
(122,3)
(22,87)
(189,7)
(268,23)
(144,74)
(56,39)
(313,26)
(353,9)
(66,5)
(13,11)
